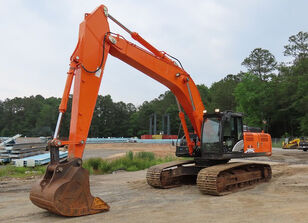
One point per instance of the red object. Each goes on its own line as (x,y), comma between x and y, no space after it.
(146,137)
(163,137)
(170,136)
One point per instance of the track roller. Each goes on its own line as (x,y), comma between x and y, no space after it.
(227,178)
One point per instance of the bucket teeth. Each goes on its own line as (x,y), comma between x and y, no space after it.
(65,190)
(99,204)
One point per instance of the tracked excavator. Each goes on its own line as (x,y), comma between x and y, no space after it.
(218,137)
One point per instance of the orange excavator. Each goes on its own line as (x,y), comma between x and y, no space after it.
(218,137)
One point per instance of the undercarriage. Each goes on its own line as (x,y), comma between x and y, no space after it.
(211,177)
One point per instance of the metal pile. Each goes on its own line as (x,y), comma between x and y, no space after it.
(38,160)
(10,152)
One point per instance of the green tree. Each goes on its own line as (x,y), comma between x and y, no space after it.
(205,96)
(250,95)
(221,93)
(47,117)
(260,62)
(298,46)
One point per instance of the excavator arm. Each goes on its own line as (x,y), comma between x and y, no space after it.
(87,66)
(55,193)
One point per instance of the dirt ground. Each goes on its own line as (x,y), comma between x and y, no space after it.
(283,199)
(117,149)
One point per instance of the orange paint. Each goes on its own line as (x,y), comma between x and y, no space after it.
(257,143)
(89,53)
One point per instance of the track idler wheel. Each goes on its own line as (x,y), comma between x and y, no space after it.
(65,190)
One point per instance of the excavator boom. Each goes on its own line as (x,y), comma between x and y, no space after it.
(87,65)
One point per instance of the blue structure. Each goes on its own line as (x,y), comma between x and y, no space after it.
(38,160)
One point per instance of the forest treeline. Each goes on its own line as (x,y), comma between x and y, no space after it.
(271,94)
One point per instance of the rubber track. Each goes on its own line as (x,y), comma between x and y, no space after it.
(154,174)
(207,180)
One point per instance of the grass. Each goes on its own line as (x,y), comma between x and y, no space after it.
(277,143)
(131,162)
(21,172)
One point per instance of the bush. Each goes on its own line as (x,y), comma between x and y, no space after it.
(145,155)
(131,162)
(130,155)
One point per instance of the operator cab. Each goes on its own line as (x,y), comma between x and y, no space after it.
(221,137)
(222,133)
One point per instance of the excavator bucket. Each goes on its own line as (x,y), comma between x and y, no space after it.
(64,190)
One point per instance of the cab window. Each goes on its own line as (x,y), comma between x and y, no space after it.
(210,131)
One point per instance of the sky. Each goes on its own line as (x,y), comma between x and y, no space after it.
(211,38)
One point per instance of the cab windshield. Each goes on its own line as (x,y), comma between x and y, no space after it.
(211,131)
